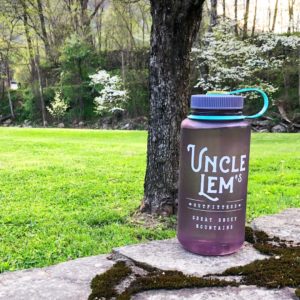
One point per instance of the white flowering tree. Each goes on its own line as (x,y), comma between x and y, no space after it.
(112,96)
(226,62)
(58,107)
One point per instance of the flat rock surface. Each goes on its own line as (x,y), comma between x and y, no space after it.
(285,225)
(228,293)
(71,280)
(169,255)
(68,280)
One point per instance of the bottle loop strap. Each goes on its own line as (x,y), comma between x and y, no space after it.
(241,117)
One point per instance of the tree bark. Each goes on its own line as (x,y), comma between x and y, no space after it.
(41,94)
(275,15)
(291,4)
(224,10)
(43,29)
(246,15)
(254,19)
(11,107)
(236,27)
(299,74)
(86,19)
(175,24)
(28,38)
(213,13)
(99,29)
(269,15)
(40,90)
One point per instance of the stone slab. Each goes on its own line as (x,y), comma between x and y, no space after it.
(169,255)
(228,293)
(285,225)
(68,280)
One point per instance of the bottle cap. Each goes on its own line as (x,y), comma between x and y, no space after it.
(218,101)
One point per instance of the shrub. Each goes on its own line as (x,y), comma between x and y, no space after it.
(112,96)
(58,107)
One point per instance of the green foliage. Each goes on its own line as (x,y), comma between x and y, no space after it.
(29,108)
(78,60)
(70,193)
(137,86)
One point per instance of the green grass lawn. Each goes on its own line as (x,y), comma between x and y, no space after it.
(70,193)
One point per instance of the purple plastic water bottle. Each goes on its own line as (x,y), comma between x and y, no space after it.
(214,159)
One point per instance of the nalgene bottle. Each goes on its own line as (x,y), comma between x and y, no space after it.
(214,159)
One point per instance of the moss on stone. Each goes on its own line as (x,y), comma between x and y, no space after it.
(170,280)
(145,267)
(282,269)
(261,237)
(103,286)
(271,273)
(249,235)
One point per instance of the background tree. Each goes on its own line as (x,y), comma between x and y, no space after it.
(213,13)
(116,35)
(265,61)
(246,16)
(224,9)
(291,5)
(275,15)
(254,19)
(236,26)
(8,39)
(174,27)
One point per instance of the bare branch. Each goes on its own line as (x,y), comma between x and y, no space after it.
(98,5)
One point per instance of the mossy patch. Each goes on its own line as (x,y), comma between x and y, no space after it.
(282,269)
(276,272)
(170,280)
(249,235)
(103,286)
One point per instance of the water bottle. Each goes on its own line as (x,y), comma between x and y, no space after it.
(214,159)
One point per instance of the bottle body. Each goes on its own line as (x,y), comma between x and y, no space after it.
(214,159)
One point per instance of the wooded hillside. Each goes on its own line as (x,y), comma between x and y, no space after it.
(85,62)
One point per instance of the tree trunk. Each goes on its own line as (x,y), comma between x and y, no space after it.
(224,10)
(175,24)
(254,19)
(28,38)
(269,15)
(275,15)
(85,22)
(8,91)
(123,67)
(41,94)
(99,29)
(236,27)
(213,13)
(79,83)
(86,19)
(43,28)
(291,4)
(246,15)
(299,75)
(286,85)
